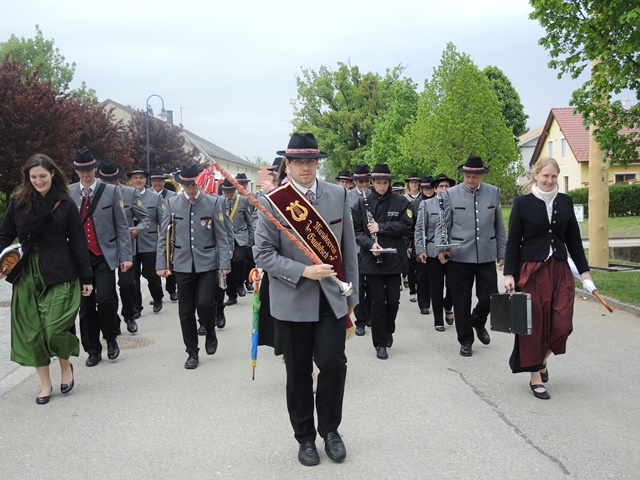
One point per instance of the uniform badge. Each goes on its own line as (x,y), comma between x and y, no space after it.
(139,203)
(203,222)
(409,213)
(121,204)
(162,206)
(221,217)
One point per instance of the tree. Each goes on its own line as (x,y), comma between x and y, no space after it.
(581,31)
(459,115)
(166,145)
(341,107)
(512,108)
(39,55)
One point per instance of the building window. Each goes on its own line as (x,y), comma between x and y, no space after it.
(550,148)
(563,147)
(624,177)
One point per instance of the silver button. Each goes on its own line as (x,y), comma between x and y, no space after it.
(549,230)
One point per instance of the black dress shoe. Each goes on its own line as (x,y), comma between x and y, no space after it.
(93,359)
(173,297)
(151,302)
(449,318)
(113,350)
(211,343)
(308,454)
(136,315)
(249,287)
(231,301)
(483,336)
(544,375)
(360,331)
(381,352)
(406,284)
(221,321)
(44,400)
(390,341)
(202,331)
(465,350)
(439,328)
(541,395)
(67,387)
(132,326)
(424,311)
(157,306)
(192,362)
(334,447)
(242,291)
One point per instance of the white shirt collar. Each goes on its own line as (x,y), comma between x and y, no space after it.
(313,188)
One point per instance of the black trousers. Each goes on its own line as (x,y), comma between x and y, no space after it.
(437,273)
(196,292)
(145,265)
(322,342)
(98,311)
(461,278)
(423,289)
(239,272)
(170,284)
(385,301)
(412,274)
(127,286)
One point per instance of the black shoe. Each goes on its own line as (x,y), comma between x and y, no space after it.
(465,350)
(242,291)
(406,284)
(544,375)
(231,301)
(541,395)
(113,350)
(390,341)
(249,287)
(360,331)
(211,343)
(449,319)
(93,359)
(44,400)
(192,362)
(381,352)
(201,330)
(173,297)
(424,311)
(483,336)
(334,447)
(308,454)
(221,321)
(152,302)
(136,315)
(67,387)
(132,326)
(439,328)
(157,306)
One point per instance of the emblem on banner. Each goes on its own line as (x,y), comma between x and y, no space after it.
(298,212)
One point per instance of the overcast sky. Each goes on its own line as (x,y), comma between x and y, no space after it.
(227,69)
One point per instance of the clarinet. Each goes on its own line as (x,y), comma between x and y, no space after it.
(445,230)
(374,236)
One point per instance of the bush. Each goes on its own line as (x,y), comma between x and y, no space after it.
(624,200)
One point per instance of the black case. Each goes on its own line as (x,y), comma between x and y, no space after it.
(511,313)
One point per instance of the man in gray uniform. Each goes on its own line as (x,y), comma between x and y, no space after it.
(200,250)
(138,220)
(158,185)
(107,231)
(473,222)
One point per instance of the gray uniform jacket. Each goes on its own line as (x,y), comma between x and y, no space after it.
(241,222)
(427,220)
(134,209)
(293,297)
(475,223)
(148,240)
(110,222)
(201,243)
(354,195)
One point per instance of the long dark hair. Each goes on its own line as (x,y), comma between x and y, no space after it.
(58,181)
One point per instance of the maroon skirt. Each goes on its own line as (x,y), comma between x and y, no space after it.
(552,290)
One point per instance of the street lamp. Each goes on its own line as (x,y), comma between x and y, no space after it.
(162,115)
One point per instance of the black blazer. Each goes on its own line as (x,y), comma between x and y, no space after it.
(64,255)
(531,235)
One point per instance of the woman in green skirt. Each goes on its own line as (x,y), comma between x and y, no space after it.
(46,281)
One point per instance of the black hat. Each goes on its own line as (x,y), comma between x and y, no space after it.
(187,174)
(413,176)
(84,160)
(397,186)
(276,164)
(361,172)
(138,170)
(426,181)
(381,172)
(242,178)
(441,178)
(344,175)
(302,145)
(473,165)
(109,171)
(227,185)
(157,174)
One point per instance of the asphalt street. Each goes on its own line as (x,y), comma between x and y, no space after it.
(426,412)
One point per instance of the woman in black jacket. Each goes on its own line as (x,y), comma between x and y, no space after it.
(542,226)
(382,222)
(46,286)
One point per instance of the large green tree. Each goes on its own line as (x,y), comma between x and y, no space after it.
(512,108)
(459,115)
(581,31)
(340,107)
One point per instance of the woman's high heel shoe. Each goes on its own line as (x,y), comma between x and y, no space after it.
(541,395)
(544,375)
(67,387)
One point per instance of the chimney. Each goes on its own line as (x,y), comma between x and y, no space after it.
(170,117)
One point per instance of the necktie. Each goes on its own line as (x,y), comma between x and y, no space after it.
(310,196)
(192,201)
(86,192)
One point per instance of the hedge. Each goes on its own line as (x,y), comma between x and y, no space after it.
(624,200)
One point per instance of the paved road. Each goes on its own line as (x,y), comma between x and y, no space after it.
(426,412)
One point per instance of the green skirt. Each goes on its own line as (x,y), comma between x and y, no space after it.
(42,316)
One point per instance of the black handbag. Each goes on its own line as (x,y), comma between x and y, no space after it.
(511,313)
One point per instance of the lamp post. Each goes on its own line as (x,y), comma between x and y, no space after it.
(162,115)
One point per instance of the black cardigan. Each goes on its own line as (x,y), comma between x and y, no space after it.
(531,234)
(64,255)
